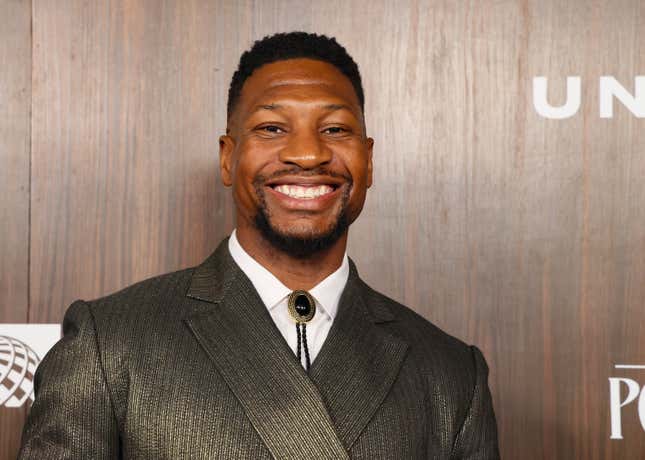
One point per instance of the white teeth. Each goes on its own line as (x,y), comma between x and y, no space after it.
(305,193)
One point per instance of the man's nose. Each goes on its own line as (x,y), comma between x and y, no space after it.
(307,150)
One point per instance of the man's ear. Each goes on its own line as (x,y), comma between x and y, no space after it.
(370,146)
(226,147)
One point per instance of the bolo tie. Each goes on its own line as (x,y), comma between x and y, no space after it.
(302,309)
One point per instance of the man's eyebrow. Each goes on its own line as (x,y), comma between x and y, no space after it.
(330,107)
(337,107)
(334,107)
(266,107)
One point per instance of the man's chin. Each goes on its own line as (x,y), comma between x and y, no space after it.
(301,242)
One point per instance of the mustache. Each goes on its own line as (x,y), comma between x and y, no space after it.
(260,179)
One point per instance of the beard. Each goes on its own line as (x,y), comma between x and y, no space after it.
(301,246)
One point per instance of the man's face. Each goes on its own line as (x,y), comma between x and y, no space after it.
(297,155)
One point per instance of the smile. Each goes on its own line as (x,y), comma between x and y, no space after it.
(303,192)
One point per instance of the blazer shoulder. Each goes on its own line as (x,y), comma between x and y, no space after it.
(431,347)
(159,295)
(411,325)
(450,366)
(143,316)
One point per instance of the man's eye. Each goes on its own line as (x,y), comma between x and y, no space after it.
(271,129)
(334,130)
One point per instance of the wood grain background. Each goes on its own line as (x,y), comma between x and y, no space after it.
(523,235)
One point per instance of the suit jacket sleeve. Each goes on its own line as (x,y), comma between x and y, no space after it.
(72,415)
(477,438)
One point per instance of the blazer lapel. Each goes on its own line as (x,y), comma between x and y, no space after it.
(359,361)
(236,330)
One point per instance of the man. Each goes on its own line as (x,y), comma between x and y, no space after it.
(273,347)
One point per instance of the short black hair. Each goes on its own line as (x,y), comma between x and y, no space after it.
(293,45)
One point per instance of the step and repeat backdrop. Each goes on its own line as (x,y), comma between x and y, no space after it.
(508,204)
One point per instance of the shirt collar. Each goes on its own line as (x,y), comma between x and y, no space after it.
(271,290)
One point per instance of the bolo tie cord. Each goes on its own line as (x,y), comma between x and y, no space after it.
(302,338)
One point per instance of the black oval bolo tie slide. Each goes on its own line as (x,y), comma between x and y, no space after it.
(302,308)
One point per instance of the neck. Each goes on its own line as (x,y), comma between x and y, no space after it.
(293,272)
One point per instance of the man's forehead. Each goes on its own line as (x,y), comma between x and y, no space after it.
(299,79)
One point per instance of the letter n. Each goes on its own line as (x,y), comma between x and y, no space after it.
(610,88)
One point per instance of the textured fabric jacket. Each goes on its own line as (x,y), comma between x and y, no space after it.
(189,365)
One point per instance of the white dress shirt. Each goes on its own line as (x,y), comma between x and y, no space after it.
(274,294)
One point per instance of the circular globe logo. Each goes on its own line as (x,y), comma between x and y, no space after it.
(18,363)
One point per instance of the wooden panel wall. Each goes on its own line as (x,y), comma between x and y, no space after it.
(15,106)
(523,235)
(127,99)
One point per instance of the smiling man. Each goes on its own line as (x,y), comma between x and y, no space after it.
(273,347)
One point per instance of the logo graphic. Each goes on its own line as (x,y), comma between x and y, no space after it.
(22,346)
(609,89)
(18,364)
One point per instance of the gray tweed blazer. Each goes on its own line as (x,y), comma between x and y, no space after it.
(189,365)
